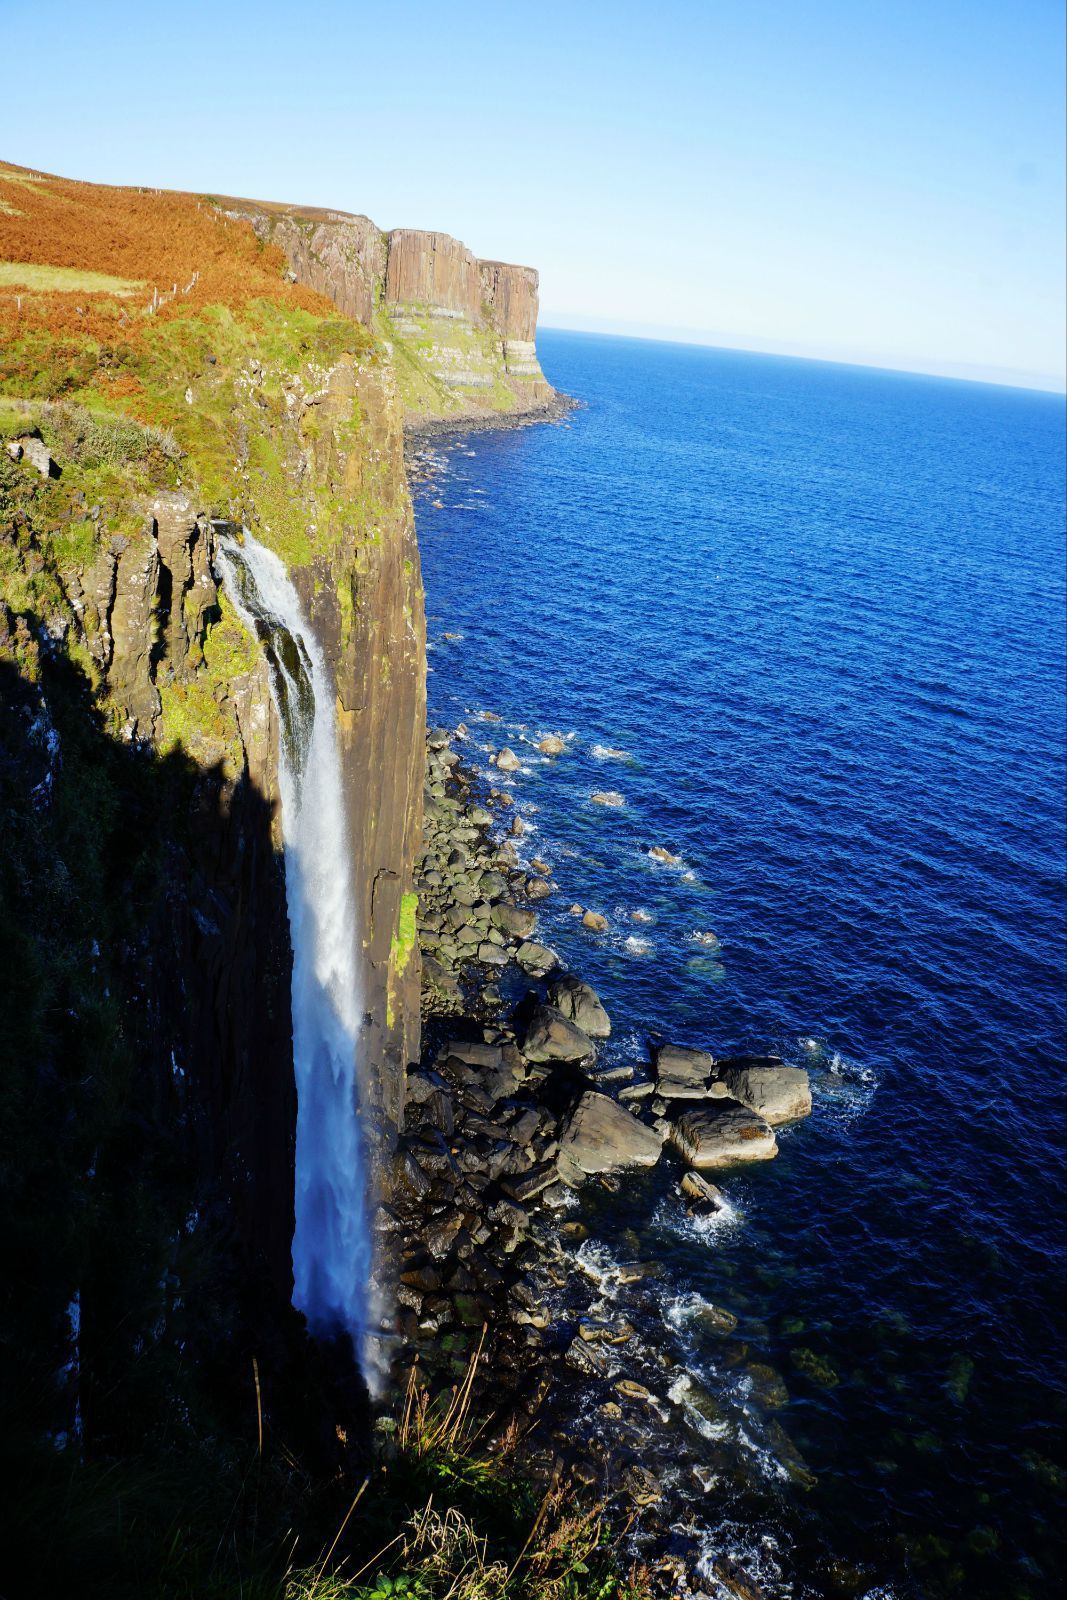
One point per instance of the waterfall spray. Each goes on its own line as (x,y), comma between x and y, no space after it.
(332,1257)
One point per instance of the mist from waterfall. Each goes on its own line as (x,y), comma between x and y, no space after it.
(332,1258)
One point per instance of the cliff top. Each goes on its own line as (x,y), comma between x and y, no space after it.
(92,276)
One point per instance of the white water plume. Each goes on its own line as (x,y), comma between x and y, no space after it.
(332,1255)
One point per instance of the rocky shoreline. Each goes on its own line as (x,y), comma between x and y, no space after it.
(427,430)
(509,1117)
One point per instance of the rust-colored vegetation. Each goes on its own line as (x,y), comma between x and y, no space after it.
(180,247)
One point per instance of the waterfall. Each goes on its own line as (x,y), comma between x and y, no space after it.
(331,1242)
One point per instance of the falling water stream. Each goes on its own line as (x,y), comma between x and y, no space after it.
(331,1242)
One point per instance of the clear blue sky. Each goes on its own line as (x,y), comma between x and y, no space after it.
(878,181)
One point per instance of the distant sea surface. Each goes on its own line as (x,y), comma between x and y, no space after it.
(822,611)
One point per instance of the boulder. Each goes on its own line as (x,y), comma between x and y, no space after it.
(607,797)
(658,853)
(36,453)
(553,1037)
(536,959)
(473,1053)
(700,1193)
(538,888)
(681,1073)
(507,760)
(595,920)
(602,1136)
(720,1133)
(513,920)
(438,980)
(552,745)
(779,1093)
(491,955)
(581,1004)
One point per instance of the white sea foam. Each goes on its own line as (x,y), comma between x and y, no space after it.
(708,1228)
(844,1089)
(732,1551)
(682,1392)
(766,1461)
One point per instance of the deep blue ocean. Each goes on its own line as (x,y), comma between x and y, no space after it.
(822,612)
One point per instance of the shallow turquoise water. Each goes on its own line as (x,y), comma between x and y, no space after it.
(822,611)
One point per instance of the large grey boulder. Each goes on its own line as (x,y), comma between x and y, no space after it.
(779,1093)
(536,959)
(553,1037)
(602,1136)
(513,920)
(720,1133)
(582,1004)
(682,1073)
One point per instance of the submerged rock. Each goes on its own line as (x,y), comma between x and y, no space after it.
(658,853)
(722,1132)
(607,797)
(814,1367)
(581,1004)
(551,1036)
(779,1093)
(602,1136)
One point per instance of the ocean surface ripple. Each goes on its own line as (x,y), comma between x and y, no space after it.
(821,611)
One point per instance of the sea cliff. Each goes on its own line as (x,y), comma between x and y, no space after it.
(163,378)
(175,369)
(461,332)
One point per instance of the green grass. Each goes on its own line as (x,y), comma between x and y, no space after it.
(65,280)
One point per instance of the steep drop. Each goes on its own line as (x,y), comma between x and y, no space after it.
(332,1257)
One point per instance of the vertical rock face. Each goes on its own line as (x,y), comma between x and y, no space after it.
(221,995)
(341,256)
(432,270)
(365,602)
(511,295)
(204,980)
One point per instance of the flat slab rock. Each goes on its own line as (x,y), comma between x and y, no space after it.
(602,1136)
(553,1037)
(721,1133)
(779,1093)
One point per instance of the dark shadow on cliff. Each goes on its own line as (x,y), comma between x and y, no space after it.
(147,1114)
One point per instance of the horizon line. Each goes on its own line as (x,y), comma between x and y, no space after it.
(706,339)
